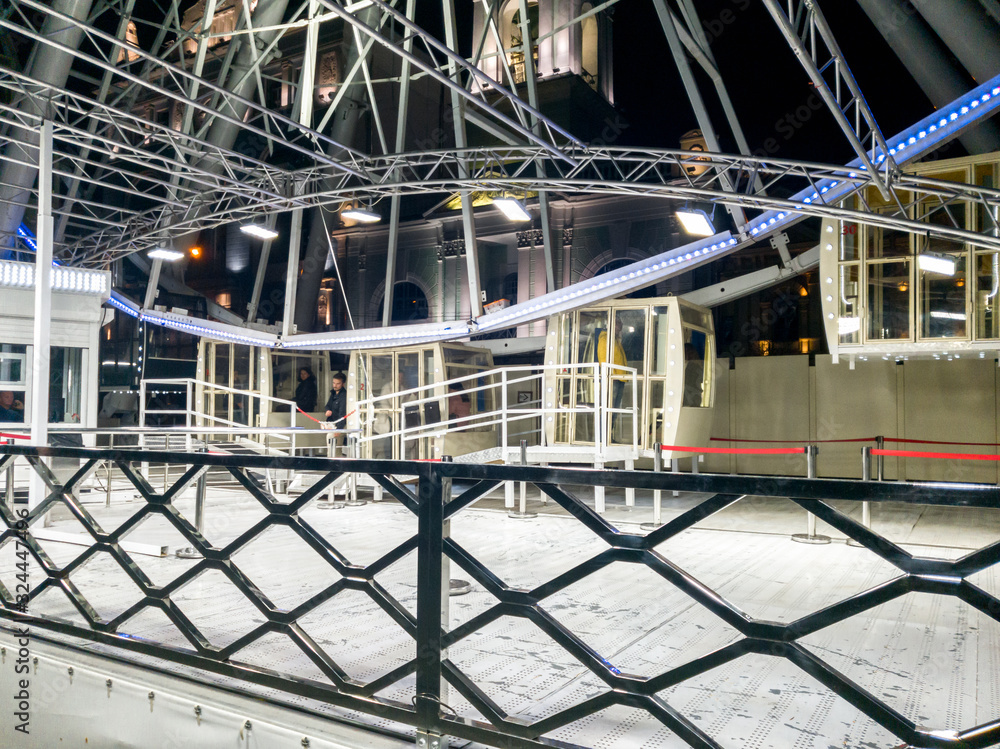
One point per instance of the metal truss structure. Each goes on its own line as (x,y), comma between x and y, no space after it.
(433,669)
(127,180)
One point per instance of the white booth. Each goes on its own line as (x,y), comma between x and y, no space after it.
(77,316)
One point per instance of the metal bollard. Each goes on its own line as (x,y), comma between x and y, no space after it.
(810,536)
(190,552)
(657,494)
(880,465)
(522,512)
(866,475)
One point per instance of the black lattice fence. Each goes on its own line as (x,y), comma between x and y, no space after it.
(426,490)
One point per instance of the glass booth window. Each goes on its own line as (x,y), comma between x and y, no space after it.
(889,300)
(697,369)
(13,369)
(13,378)
(660,326)
(942,303)
(987,288)
(850,308)
(65,385)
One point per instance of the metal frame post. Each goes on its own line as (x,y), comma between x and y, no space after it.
(352,450)
(657,494)
(9,488)
(432,492)
(522,511)
(190,552)
(40,354)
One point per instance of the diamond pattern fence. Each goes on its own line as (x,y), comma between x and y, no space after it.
(426,490)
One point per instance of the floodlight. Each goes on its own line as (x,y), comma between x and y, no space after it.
(362,215)
(162,253)
(934,263)
(512,208)
(260,231)
(695,221)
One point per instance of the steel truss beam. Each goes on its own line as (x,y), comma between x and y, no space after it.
(618,171)
(811,39)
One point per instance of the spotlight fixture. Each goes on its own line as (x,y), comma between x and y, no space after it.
(259,231)
(362,215)
(195,251)
(935,263)
(162,253)
(695,221)
(512,208)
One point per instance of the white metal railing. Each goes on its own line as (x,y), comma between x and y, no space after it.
(531,414)
(199,393)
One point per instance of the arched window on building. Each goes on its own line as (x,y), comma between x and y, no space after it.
(409,303)
(509,291)
(511,36)
(644,293)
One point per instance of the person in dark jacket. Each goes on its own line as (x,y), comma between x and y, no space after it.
(306,393)
(336,407)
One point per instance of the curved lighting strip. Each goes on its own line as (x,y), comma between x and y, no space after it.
(602,287)
(379,337)
(207,329)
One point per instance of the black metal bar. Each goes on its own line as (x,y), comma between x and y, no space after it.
(430,557)
(931,493)
(689,518)
(469,496)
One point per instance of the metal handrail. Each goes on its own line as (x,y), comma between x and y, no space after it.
(603,372)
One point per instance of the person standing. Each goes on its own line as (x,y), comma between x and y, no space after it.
(306,393)
(336,406)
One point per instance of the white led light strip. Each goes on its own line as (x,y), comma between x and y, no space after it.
(69,280)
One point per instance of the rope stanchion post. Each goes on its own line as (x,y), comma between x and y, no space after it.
(522,512)
(675,467)
(657,494)
(353,449)
(810,536)
(866,476)
(190,552)
(880,465)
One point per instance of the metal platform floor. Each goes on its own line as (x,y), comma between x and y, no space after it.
(933,658)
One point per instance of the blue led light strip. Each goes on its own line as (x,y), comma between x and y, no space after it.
(912,143)
(24,232)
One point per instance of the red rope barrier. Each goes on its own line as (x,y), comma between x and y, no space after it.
(938,442)
(14,436)
(324,422)
(955,456)
(736,450)
(811,442)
